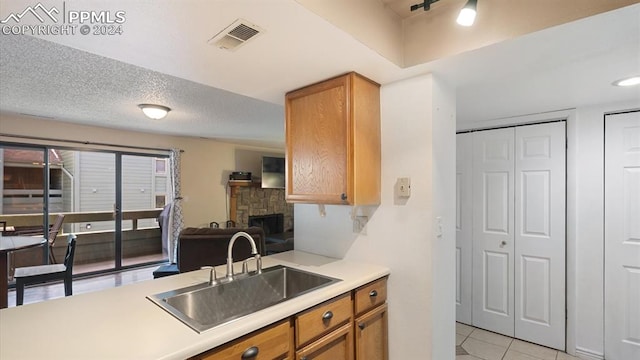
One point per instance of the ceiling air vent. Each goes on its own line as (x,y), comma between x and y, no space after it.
(235,35)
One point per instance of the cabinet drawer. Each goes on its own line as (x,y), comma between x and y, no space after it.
(371,295)
(272,342)
(337,345)
(321,319)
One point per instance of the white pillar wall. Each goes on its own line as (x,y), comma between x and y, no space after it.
(588,300)
(418,141)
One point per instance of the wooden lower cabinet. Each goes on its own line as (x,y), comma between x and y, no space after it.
(275,342)
(352,326)
(371,335)
(337,345)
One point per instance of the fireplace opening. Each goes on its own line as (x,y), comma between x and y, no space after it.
(271,224)
(276,239)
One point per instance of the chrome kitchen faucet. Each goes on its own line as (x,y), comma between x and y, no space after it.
(254,253)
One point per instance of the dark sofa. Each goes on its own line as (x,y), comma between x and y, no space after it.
(199,247)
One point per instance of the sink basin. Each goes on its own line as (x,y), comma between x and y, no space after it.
(203,306)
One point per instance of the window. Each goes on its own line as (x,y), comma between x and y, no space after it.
(161,166)
(161,201)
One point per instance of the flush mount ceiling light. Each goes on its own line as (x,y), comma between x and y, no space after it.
(466,17)
(155,112)
(630,81)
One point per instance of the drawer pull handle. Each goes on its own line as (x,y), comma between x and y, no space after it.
(250,353)
(327,316)
(361,326)
(343,197)
(373,293)
(303,358)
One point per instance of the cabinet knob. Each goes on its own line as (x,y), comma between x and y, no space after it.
(361,326)
(343,197)
(327,316)
(373,293)
(250,353)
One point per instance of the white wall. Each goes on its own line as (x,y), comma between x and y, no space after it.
(418,141)
(589,227)
(444,206)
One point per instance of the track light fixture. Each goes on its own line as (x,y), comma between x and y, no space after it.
(426,5)
(467,14)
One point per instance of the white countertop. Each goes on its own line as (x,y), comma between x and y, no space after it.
(121,323)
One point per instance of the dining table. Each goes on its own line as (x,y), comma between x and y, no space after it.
(8,244)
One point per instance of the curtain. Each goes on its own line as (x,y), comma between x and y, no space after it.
(177,220)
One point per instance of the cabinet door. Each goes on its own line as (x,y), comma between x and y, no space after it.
(318,159)
(372,335)
(337,345)
(271,343)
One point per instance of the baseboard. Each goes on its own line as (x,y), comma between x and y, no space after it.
(588,354)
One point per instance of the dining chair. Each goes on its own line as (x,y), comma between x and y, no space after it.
(44,273)
(53,233)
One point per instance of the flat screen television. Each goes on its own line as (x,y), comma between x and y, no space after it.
(272,172)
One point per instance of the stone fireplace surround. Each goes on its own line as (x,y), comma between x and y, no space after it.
(254,201)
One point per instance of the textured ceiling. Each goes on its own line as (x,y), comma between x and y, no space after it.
(45,79)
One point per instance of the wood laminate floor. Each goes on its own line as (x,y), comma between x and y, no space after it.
(53,290)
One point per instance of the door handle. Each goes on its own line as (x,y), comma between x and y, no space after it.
(503,243)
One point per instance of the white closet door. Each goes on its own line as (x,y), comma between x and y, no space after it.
(464,161)
(622,236)
(493,234)
(540,234)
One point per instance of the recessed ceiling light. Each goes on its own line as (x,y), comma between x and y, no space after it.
(630,81)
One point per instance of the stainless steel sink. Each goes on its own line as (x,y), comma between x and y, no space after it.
(205,306)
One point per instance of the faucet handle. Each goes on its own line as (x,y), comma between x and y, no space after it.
(258,263)
(213,278)
(245,262)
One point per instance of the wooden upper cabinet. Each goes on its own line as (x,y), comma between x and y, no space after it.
(333,142)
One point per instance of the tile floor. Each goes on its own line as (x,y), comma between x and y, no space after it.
(477,344)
